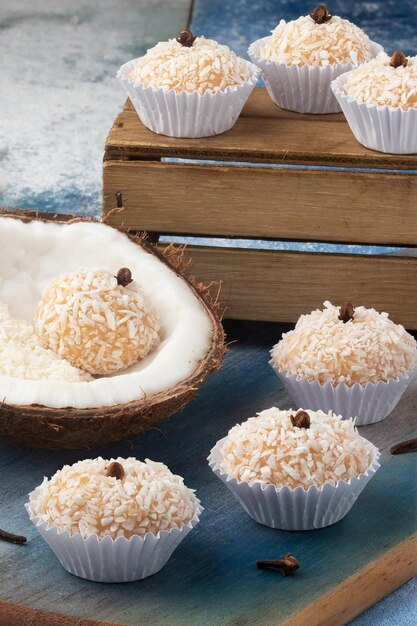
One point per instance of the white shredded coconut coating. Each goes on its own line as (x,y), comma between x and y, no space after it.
(94,323)
(205,66)
(303,42)
(377,82)
(81,498)
(268,449)
(22,356)
(369,348)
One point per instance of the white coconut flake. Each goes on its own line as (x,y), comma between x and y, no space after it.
(303,42)
(377,82)
(369,348)
(81,498)
(205,66)
(94,323)
(268,449)
(22,356)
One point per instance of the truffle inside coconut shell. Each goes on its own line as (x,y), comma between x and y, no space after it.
(59,414)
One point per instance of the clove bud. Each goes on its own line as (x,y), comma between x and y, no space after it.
(287,566)
(124,276)
(346,312)
(320,14)
(301,419)
(398,59)
(115,470)
(186,38)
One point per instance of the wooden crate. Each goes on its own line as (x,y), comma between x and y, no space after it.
(244,196)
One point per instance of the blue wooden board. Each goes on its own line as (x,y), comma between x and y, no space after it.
(212,578)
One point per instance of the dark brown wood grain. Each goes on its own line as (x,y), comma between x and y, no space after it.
(259,106)
(19,615)
(274,285)
(262,202)
(262,133)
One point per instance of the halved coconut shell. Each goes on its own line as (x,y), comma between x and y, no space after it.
(42,426)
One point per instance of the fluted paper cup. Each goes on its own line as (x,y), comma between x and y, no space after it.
(187,114)
(379,128)
(110,560)
(368,403)
(295,509)
(305,88)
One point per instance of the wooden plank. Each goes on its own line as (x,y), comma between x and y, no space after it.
(263,202)
(368,586)
(259,106)
(18,615)
(281,285)
(212,577)
(274,136)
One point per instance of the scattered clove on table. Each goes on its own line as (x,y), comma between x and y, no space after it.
(410,445)
(287,566)
(11,537)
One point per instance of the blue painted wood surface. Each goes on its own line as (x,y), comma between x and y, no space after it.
(211,578)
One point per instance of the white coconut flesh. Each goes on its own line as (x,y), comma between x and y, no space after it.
(32,254)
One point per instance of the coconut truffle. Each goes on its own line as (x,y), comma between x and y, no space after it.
(305,42)
(204,66)
(140,498)
(367,348)
(22,356)
(378,82)
(95,323)
(270,449)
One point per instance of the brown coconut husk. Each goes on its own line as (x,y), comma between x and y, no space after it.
(40,426)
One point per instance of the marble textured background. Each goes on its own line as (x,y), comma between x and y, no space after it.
(59,95)
(58,90)
(58,98)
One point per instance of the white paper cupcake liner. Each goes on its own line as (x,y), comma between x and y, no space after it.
(379,128)
(110,560)
(368,404)
(304,89)
(187,114)
(295,509)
